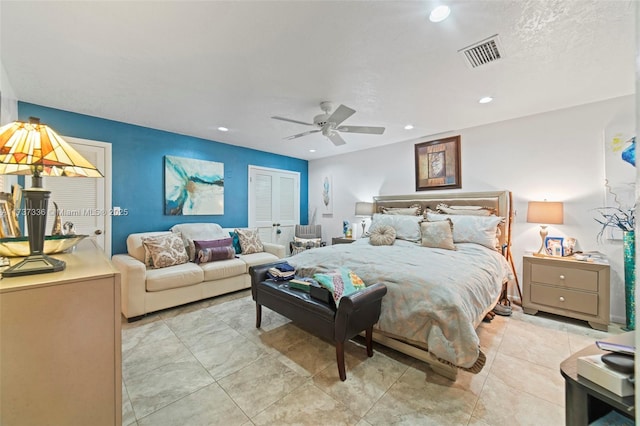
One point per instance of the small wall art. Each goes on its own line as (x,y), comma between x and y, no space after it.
(193,187)
(327,195)
(438,164)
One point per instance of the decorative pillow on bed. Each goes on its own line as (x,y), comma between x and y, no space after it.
(166,250)
(466,210)
(413,210)
(249,241)
(210,251)
(407,227)
(340,282)
(382,235)
(471,229)
(438,234)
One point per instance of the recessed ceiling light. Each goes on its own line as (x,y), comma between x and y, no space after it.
(223,129)
(485,100)
(312,150)
(408,127)
(439,14)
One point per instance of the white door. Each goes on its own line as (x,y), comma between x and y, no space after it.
(85,202)
(274,203)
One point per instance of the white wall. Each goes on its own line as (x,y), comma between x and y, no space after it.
(558,156)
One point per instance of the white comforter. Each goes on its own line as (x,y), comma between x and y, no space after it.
(435,297)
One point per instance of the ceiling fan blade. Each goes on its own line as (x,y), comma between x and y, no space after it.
(361,129)
(275,117)
(336,139)
(340,114)
(299,135)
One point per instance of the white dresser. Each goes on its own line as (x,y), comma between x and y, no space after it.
(60,344)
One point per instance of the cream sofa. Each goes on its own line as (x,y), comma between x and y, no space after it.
(144,289)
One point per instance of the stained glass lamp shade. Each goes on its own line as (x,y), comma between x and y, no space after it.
(35,149)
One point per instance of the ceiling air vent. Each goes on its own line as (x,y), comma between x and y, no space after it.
(482,52)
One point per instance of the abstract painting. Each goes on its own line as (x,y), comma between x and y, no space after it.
(193,187)
(620,168)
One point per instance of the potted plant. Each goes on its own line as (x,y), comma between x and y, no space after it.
(624,220)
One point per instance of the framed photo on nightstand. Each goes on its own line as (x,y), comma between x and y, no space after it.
(554,246)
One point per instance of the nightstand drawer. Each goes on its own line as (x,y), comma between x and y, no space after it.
(561,298)
(565,277)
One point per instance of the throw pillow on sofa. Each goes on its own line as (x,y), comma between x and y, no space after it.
(236,242)
(210,251)
(166,250)
(249,241)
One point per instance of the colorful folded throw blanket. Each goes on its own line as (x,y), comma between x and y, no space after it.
(340,282)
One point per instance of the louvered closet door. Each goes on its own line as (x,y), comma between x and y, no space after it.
(82,201)
(274,203)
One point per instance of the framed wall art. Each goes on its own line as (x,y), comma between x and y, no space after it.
(438,164)
(193,187)
(8,220)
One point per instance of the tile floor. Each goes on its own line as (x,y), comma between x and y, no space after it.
(207,364)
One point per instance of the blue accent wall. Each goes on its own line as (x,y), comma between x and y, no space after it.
(138,170)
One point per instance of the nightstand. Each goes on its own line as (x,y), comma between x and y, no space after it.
(567,287)
(342,240)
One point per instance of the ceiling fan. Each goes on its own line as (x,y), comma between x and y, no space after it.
(329,124)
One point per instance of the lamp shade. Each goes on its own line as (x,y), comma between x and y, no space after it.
(35,149)
(364,209)
(545,212)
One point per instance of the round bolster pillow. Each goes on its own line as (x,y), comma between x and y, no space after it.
(383,235)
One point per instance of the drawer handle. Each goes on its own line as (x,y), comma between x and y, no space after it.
(561,299)
(562,277)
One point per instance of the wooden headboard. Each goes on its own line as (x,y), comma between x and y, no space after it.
(498,200)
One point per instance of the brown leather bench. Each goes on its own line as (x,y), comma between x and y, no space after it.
(356,313)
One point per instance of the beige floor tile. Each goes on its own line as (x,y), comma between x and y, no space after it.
(144,334)
(417,399)
(194,324)
(310,356)
(128,416)
(542,382)
(206,407)
(144,358)
(535,343)
(260,384)
(226,357)
(502,405)
(307,405)
(367,379)
(166,384)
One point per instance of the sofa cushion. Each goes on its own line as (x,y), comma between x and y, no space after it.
(250,241)
(257,259)
(174,277)
(223,269)
(166,250)
(134,244)
(197,231)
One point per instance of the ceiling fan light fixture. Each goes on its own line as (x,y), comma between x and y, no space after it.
(440,13)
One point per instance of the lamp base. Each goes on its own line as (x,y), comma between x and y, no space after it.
(35,264)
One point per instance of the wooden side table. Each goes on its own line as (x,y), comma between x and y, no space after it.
(567,287)
(585,401)
(342,240)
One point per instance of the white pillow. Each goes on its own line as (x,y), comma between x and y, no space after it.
(407,227)
(471,229)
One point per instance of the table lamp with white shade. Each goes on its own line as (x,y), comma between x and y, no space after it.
(364,210)
(545,213)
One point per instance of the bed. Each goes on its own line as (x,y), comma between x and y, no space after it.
(436,297)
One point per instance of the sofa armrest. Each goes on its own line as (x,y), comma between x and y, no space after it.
(133,276)
(358,311)
(276,249)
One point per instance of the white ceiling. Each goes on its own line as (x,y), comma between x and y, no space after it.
(189,67)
